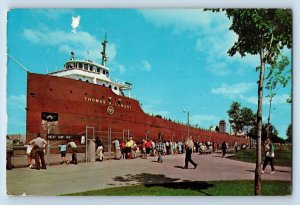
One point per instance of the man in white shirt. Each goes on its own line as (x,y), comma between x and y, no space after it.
(39,145)
(117,148)
(189,145)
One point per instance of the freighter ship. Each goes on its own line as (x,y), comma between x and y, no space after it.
(81,99)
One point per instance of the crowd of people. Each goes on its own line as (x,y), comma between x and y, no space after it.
(128,149)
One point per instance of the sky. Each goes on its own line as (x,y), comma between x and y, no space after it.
(176,60)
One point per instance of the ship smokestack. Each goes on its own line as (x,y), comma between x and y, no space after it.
(72,56)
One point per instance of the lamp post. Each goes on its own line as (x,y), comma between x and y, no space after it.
(188,122)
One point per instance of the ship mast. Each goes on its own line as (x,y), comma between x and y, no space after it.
(103,53)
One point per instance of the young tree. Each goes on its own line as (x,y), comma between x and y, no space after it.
(262,32)
(278,74)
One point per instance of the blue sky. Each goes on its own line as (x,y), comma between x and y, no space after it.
(175,59)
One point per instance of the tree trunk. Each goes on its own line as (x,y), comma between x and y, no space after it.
(257,190)
(269,115)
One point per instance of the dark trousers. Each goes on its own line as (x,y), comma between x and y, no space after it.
(74,156)
(160,153)
(39,155)
(9,154)
(128,152)
(188,158)
(224,152)
(267,160)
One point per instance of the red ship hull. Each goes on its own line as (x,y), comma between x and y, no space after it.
(79,104)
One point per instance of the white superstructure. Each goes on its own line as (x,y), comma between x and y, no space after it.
(90,72)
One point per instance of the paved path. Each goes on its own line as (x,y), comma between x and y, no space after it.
(63,179)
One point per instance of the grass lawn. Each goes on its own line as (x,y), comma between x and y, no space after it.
(283,156)
(212,188)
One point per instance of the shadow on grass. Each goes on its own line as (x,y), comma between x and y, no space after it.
(151,180)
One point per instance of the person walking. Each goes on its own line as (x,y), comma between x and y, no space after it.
(73,147)
(236,146)
(129,145)
(29,153)
(148,145)
(9,153)
(160,150)
(63,152)
(117,149)
(99,148)
(270,153)
(39,145)
(123,149)
(223,147)
(189,145)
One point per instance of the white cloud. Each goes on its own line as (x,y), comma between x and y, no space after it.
(280,99)
(181,20)
(121,69)
(249,99)
(204,121)
(151,108)
(75,23)
(145,65)
(16,102)
(53,14)
(213,38)
(16,114)
(235,89)
(83,44)
(277,99)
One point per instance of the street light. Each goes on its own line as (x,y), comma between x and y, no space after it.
(188,122)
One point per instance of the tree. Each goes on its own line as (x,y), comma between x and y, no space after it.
(289,133)
(240,118)
(262,32)
(248,118)
(234,114)
(277,75)
(268,131)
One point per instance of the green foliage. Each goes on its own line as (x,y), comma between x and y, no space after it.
(240,118)
(289,133)
(278,74)
(260,29)
(283,155)
(263,32)
(273,133)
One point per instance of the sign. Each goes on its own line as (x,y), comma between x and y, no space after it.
(49,116)
(61,136)
(110,110)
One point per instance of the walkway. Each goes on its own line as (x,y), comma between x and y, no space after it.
(63,179)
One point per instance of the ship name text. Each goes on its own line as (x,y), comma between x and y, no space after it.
(118,103)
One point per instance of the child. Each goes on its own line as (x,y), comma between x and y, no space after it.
(29,153)
(63,151)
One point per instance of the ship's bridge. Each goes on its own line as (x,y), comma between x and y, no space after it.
(90,72)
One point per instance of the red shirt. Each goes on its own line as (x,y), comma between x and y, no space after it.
(148,144)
